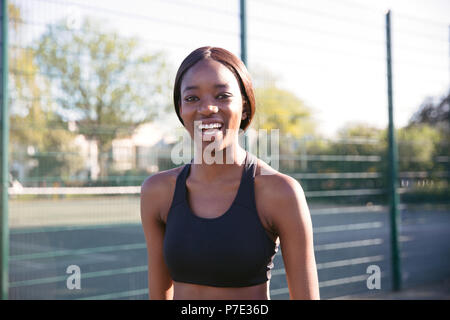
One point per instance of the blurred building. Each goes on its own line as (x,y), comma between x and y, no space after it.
(142,151)
(147,149)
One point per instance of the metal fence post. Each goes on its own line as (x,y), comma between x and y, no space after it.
(243,15)
(4,172)
(243,27)
(392,158)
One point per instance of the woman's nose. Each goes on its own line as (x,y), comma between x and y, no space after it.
(208,109)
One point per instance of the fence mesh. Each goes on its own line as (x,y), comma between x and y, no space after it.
(92,117)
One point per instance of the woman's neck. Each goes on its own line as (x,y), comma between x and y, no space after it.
(209,167)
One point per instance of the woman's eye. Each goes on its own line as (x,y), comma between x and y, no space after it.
(224,96)
(190,99)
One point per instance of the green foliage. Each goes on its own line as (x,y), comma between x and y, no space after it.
(64,163)
(32,121)
(15,17)
(417,147)
(360,139)
(278,108)
(433,113)
(104,81)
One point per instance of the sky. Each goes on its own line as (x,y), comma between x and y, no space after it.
(330,53)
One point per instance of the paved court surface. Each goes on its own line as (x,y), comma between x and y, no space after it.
(103,236)
(439,290)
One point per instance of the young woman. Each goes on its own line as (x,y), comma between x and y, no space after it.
(213,226)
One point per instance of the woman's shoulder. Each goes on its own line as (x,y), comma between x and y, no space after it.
(157,191)
(275,191)
(279,197)
(161,180)
(270,180)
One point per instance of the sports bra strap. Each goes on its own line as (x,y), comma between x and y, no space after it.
(245,195)
(180,189)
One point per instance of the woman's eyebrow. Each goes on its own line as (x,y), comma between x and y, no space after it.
(190,88)
(219,85)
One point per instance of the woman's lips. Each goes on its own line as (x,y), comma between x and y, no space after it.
(210,129)
(209,125)
(213,131)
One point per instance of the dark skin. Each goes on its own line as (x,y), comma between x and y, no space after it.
(211,91)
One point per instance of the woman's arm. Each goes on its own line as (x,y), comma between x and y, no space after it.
(153,193)
(285,204)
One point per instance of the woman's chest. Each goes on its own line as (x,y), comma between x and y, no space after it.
(210,201)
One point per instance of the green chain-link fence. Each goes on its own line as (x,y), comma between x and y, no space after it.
(91,118)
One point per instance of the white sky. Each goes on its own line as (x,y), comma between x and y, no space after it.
(330,53)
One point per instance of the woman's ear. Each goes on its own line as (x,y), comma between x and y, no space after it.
(244,111)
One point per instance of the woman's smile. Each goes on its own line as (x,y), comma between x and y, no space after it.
(209,130)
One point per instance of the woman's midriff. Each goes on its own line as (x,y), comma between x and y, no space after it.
(188,291)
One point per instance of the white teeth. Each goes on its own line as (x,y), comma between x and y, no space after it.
(210,126)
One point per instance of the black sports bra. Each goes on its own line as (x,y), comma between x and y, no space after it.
(232,250)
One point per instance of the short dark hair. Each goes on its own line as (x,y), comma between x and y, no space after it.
(229,60)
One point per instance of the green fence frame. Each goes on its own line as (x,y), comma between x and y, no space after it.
(393,167)
(4,172)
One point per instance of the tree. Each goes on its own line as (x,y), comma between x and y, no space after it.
(103,81)
(433,113)
(417,147)
(427,147)
(32,130)
(24,89)
(432,122)
(278,108)
(359,139)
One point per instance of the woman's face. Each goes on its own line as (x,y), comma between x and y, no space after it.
(211,103)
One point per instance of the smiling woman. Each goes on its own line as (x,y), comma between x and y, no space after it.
(211,106)
(213,228)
